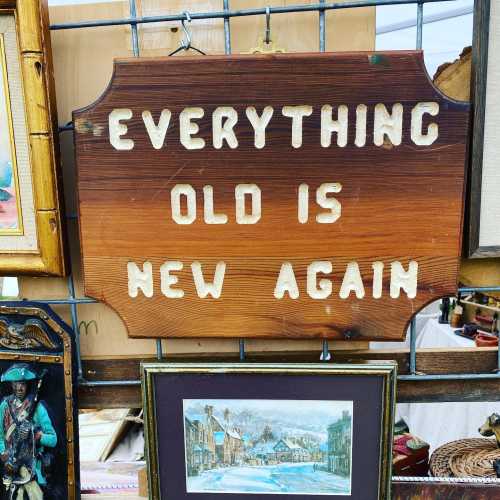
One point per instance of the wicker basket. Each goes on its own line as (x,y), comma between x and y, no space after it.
(465,458)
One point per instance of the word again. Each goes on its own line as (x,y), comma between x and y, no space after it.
(183,202)
(387,125)
(317,287)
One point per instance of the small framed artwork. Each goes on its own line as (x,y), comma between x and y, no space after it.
(246,431)
(30,218)
(484,191)
(38,406)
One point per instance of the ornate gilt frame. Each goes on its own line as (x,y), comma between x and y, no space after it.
(65,358)
(34,50)
(386,370)
(485,31)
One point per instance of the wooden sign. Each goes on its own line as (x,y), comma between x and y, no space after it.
(311,195)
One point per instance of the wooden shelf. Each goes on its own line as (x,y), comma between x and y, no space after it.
(483,306)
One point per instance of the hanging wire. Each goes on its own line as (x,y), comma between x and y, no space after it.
(186,42)
(322,29)
(133,28)
(420,23)
(268,26)
(227,29)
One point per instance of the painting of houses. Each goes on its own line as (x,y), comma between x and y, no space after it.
(288,451)
(339,445)
(259,446)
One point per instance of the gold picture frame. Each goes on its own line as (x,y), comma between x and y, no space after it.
(35,244)
(167,386)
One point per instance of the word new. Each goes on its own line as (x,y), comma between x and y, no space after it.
(286,282)
(387,125)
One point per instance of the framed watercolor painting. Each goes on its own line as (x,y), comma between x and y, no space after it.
(484,191)
(31,240)
(269,431)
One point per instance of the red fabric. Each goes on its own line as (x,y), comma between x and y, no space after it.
(400,447)
(8,420)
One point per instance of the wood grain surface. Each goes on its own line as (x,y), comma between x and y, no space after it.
(399,202)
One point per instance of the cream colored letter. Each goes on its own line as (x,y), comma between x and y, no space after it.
(188,128)
(407,280)
(378,269)
(329,125)
(324,201)
(360,139)
(208,208)
(175,201)
(240,192)
(259,123)
(303,203)
(117,129)
(157,132)
(321,289)
(203,289)
(286,282)
(167,279)
(390,125)
(224,131)
(296,113)
(417,136)
(140,279)
(352,282)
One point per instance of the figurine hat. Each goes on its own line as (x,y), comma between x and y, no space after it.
(18,373)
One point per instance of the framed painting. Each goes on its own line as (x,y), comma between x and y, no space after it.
(31,240)
(484,190)
(247,431)
(38,405)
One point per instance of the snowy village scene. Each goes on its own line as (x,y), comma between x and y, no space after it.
(268,446)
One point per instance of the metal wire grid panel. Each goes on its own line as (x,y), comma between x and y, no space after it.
(226,14)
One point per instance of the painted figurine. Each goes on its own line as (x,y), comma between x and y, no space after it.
(26,431)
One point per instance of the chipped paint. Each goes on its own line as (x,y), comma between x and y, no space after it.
(83,126)
(379,60)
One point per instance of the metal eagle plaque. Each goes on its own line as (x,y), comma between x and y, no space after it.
(288,195)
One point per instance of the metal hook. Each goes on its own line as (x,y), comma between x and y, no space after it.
(325,352)
(186,43)
(268,26)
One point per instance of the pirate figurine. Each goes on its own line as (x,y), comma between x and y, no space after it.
(25,431)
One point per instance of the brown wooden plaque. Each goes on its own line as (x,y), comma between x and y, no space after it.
(311,195)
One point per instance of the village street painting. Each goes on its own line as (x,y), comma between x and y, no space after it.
(268,446)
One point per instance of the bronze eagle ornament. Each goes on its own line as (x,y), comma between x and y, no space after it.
(28,335)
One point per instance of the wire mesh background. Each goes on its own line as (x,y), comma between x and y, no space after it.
(227,14)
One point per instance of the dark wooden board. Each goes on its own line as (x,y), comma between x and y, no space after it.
(399,202)
(459,361)
(129,396)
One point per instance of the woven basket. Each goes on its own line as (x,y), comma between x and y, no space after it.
(465,458)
